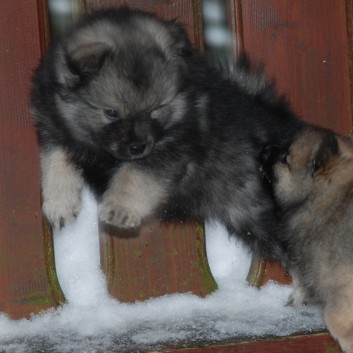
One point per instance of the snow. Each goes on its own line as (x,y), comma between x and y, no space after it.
(92,321)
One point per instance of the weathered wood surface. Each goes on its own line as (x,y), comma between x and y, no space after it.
(305,47)
(27,275)
(163,258)
(314,343)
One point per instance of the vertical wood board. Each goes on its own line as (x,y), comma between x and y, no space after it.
(24,260)
(304,47)
(162,258)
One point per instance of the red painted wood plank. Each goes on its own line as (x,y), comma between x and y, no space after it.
(314,343)
(261,271)
(161,259)
(304,47)
(27,279)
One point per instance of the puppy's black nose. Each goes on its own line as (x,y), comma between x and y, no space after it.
(137,148)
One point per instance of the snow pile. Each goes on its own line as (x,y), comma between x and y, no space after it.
(94,322)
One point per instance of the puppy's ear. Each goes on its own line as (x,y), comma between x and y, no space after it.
(327,149)
(87,59)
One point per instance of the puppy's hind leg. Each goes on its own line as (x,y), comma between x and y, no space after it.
(298,298)
(339,319)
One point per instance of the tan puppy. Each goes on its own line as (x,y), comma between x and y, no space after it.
(313,185)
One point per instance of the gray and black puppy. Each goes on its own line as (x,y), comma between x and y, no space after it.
(313,185)
(124,103)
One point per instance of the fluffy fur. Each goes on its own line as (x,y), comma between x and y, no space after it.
(313,185)
(124,103)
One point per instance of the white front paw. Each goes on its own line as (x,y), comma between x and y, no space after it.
(62,209)
(61,187)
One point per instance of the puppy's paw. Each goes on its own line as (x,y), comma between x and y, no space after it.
(62,184)
(297,299)
(118,216)
(62,208)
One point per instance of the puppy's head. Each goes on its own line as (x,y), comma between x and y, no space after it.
(120,77)
(309,159)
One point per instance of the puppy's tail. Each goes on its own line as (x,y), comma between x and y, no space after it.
(250,78)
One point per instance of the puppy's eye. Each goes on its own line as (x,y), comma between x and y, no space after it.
(112,114)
